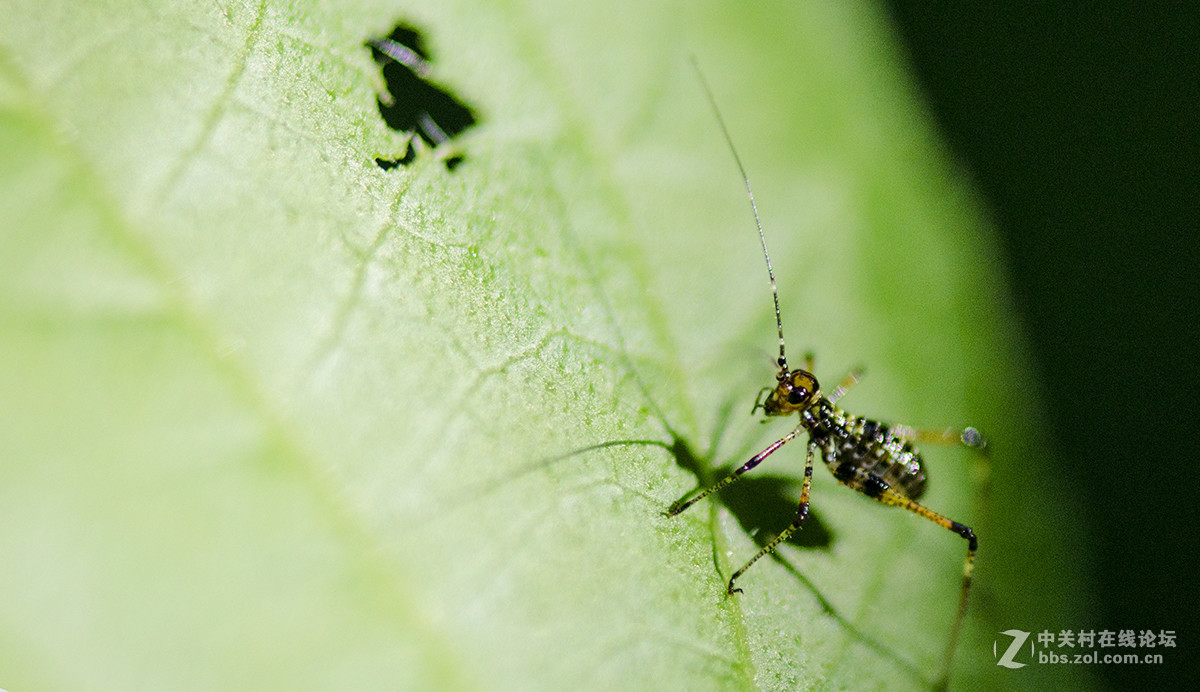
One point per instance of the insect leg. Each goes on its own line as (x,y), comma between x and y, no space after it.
(402,54)
(968,437)
(792,528)
(758,400)
(678,506)
(810,362)
(847,382)
(891,497)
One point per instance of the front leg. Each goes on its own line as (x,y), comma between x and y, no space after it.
(678,506)
(792,528)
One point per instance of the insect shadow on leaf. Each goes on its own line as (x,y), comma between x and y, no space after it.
(757,505)
(762,506)
(412,103)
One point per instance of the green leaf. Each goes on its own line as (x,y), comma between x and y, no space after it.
(273,417)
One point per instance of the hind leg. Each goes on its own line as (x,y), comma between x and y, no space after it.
(892,497)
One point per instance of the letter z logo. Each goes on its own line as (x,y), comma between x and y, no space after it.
(1018,640)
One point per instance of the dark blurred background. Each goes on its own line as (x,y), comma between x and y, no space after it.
(1078,123)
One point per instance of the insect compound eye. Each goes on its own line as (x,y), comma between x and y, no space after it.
(801,387)
(797,396)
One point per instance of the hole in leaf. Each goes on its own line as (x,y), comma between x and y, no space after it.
(413,104)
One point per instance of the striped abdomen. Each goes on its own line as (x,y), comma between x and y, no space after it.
(864,454)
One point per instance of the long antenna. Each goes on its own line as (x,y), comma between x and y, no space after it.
(749,192)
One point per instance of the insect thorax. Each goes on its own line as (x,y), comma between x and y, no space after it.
(864,454)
